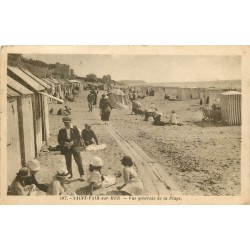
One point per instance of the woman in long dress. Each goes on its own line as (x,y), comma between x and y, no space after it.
(132,183)
(106,109)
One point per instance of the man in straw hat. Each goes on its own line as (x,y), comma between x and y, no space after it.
(69,139)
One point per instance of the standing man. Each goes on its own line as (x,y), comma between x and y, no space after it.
(69,139)
(95,93)
(91,99)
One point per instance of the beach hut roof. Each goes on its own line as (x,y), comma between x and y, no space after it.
(11,92)
(231,93)
(40,81)
(54,80)
(19,88)
(27,79)
(74,81)
(48,81)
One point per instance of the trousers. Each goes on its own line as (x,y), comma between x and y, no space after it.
(78,160)
(90,104)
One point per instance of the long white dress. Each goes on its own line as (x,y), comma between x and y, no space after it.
(133,183)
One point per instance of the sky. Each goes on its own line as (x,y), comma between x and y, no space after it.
(150,68)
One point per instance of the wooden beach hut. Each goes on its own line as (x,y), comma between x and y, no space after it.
(231,107)
(52,85)
(20,128)
(195,93)
(184,93)
(171,91)
(212,95)
(40,105)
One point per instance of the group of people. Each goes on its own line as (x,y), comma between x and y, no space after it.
(104,105)
(92,99)
(26,184)
(157,116)
(138,110)
(71,141)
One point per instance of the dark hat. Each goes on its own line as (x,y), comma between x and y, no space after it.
(24,172)
(87,126)
(66,119)
(127,161)
(103,95)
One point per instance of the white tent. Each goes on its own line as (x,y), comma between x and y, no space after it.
(118,99)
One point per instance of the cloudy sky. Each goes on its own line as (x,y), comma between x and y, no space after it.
(151,68)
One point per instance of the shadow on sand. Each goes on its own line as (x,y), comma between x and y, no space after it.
(207,124)
(83,191)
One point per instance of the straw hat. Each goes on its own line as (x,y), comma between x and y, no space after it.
(97,162)
(106,97)
(33,165)
(62,173)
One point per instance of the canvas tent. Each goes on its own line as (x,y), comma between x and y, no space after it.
(231,107)
(118,99)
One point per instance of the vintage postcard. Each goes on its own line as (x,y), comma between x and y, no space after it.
(125,125)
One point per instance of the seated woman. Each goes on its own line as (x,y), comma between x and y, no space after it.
(148,113)
(95,179)
(157,119)
(34,167)
(19,185)
(57,186)
(137,108)
(132,183)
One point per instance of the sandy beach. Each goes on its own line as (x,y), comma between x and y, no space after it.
(202,158)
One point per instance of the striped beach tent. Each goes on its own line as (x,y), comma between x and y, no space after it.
(231,107)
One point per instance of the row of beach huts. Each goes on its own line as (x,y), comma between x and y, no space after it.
(229,100)
(28,99)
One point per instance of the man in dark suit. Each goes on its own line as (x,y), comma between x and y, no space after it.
(70,141)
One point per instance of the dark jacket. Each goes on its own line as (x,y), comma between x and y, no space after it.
(88,135)
(106,106)
(91,97)
(75,137)
(100,103)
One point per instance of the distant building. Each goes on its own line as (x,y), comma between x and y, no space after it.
(61,69)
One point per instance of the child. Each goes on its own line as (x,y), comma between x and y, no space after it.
(95,179)
(57,186)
